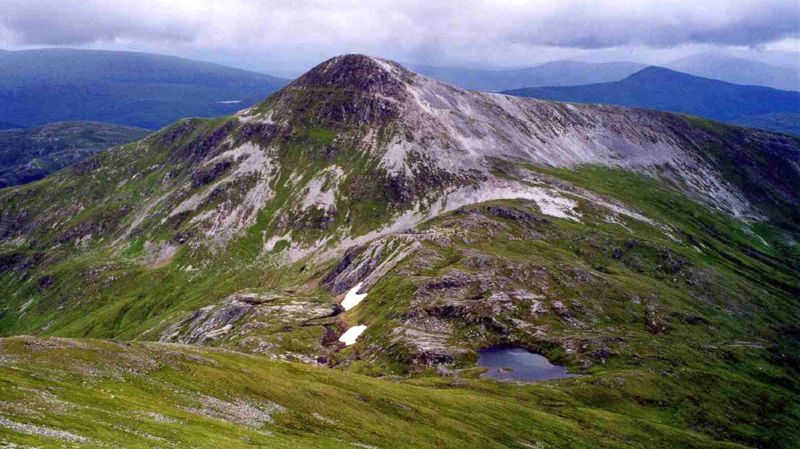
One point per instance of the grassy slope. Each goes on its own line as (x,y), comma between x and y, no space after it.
(732,378)
(147,395)
(121,298)
(726,363)
(723,379)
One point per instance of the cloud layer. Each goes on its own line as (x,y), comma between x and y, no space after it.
(399,27)
(572,23)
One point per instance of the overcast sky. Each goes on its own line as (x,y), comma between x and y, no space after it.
(288,36)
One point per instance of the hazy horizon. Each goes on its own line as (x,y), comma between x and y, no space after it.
(285,40)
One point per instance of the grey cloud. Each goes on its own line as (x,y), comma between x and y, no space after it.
(659,24)
(69,22)
(397,26)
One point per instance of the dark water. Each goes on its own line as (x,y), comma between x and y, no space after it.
(509,363)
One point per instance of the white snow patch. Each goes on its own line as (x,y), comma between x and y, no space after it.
(191,203)
(316,196)
(747,230)
(221,331)
(249,115)
(353,298)
(352,334)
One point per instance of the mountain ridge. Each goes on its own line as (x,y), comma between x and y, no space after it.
(389,150)
(563,72)
(129,88)
(650,253)
(739,70)
(665,89)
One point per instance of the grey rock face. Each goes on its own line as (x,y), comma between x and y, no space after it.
(214,321)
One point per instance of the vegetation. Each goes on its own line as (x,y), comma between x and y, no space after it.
(30,154)
(89,393)
(239,235)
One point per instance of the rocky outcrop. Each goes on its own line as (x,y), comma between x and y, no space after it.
(214,321)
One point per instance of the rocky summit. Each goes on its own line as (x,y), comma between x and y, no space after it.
(323,268)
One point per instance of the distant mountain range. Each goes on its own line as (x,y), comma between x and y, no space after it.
(135,89)
(556,73)
(738,70)
(573,73)
(29,154)
(668,90)
(7,125)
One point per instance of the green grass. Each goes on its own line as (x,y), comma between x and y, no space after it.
(719,368)
(109,393)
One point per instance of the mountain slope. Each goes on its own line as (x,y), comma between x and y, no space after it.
(554,73)
(135,89)
(667,90)
(29,154)
(651,253)
(738,70)
(145,394)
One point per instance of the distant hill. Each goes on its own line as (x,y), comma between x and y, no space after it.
(738,70)
(668,90)
(787,122)
(135,89)
(7,125)
(29,154)
(556,73)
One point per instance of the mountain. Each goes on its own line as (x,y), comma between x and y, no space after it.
(554,73)
(787,122)
(668,90)
(126,88)
(327,267)
(29,154)
(739,71)
(7,125)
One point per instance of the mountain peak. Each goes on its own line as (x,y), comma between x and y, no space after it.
(654,71)
(664,75)
(360,72)
(346,90)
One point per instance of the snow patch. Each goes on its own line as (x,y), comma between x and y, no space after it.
(351,335)
(353,298)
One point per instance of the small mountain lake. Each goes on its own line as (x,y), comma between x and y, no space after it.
(512,363)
